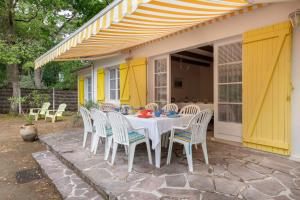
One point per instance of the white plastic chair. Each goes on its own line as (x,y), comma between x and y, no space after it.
(194,133)
(56,114)
(125,134)
(87,123)
(190,110)
(107,107)
(152,106)
(170,107)
(102,129)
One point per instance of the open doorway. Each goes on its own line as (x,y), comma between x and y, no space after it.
(191,77)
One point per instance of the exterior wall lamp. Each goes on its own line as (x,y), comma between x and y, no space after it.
(295,18)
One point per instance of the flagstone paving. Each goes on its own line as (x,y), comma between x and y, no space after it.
(234,172)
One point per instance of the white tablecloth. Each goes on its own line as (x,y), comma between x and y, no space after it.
(157,125)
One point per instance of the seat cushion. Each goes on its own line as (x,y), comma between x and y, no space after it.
(108,131)
(183,135)
(135,136)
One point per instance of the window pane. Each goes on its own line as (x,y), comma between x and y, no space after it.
(223,93)
(222,74)
(235,113)
(222,112)
(161,94)
(160,80)
(112,84)
(112,73)
(235,93)
(160,65)
(112,94)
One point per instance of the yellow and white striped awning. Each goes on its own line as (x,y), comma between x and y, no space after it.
(127,23)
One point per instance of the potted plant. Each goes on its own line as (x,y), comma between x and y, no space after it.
(28,131)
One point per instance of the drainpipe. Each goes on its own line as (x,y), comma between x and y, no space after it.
(295,96)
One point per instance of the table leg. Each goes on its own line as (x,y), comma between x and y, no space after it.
(157,155)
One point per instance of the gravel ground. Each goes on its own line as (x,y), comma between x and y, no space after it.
(15,155)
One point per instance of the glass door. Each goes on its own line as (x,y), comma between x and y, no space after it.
(160,81)
(228,95)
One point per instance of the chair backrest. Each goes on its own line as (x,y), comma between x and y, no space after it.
(87,122)
(152,106)
(44,108)
(120,126)
(190,110)
(100,122)
(198,126)
(170,107)
(61,108)
(107,107)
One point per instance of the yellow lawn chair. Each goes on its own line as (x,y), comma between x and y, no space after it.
(56,114)
(39,112)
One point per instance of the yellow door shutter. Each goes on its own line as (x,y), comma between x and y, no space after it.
(133,82)
(267,88)
(124,83)
(100,85)
(81,90)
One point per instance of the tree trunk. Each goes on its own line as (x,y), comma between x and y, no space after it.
(12,69)
(13,79)
(38,78)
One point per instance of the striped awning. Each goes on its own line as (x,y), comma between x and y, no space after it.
(128,23)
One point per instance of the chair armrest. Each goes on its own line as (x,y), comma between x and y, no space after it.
(137,129)
(48,111)
(183,128)
(142,128)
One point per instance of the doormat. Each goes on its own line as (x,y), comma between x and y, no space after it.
(28,175)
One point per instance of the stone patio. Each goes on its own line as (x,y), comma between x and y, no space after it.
(233,173)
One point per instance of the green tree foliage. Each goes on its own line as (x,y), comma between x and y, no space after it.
(28,28)
(60,74)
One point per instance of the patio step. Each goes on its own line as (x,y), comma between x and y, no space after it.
(68,184)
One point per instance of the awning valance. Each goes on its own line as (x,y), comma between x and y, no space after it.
(127,23)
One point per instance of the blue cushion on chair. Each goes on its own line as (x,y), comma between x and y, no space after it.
(183,135)
(108,131)
(134,136)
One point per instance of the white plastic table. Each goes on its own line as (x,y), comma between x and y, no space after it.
(156,127)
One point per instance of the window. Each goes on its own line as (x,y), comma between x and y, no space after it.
(114,84)
(160,83)
(89,88)
(230,82)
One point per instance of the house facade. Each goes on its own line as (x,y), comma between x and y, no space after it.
(245,64)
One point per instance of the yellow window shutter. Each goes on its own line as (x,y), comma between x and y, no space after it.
(81,90)
(133,82)
(100,85)
(124,83)
(266,88)
(138,87)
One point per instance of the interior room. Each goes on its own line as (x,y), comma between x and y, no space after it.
(192,76)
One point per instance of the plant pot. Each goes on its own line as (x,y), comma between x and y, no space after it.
(28,132)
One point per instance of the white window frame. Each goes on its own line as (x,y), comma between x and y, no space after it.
(224,130)
(117,79)
(167,57)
